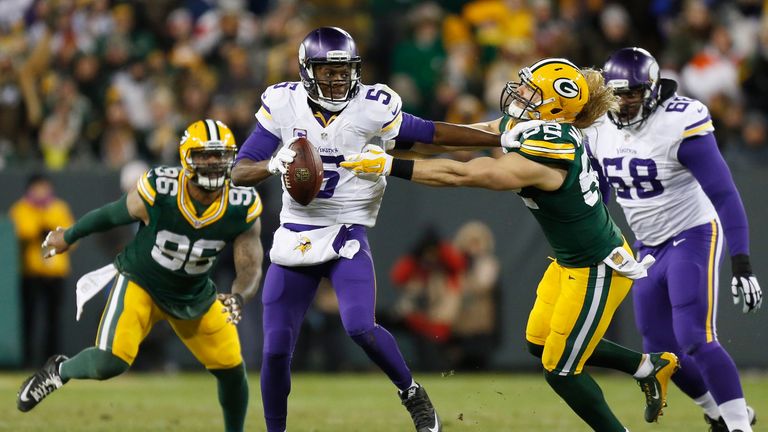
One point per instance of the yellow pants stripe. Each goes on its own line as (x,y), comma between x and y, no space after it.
(713,271)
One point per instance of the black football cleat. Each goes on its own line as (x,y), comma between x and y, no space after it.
(35,388)
(422,412)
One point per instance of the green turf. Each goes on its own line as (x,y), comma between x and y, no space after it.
(340,403)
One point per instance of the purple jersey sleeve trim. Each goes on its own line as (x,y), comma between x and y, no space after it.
(416,129)
(702,157)
(259,146)
(698,123)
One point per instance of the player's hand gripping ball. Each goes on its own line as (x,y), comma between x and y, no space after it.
(304,175)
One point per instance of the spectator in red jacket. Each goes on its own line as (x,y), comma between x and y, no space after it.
(430,278)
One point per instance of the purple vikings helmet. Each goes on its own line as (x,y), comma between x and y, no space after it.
(633,74)
(329,45)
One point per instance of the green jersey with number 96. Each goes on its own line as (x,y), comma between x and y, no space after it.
(573,217)
(172,257)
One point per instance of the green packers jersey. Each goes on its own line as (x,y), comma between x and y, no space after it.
(172,257)
(574,218)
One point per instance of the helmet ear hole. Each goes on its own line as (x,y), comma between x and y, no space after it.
(556,110)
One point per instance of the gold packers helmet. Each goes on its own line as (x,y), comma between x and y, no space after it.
(550,89)
(207,152)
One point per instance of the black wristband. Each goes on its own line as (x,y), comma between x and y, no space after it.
(740,264)
(403,145)
(402,168)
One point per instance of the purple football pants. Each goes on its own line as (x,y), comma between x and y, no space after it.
(676,310)
(288,293)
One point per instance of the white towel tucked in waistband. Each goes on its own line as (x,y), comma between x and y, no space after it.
(91,283)
(626,265)
(305,248)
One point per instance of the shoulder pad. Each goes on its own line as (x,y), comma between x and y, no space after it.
(276,97)
(381,111)
(163,179)
(688,116)
(551,142)
(248,198)
(279,94)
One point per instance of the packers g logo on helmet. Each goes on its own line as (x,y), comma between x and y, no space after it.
(207,151)
(550,89)
(566,88)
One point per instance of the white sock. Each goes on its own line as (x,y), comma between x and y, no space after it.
(708,404)
(735,414)
(645,368)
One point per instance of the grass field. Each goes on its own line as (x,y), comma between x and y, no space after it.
(341,403)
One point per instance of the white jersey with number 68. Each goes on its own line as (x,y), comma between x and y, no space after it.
(659,196)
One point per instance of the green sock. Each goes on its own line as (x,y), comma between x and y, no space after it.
(93,363)
(233,396)
(586,399)
(614,356)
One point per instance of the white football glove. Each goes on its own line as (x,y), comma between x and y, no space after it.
(278,164)
(371,164)
(744,284)
(511,138)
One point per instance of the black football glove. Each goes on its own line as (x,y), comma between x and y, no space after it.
(233,305)
(744,284)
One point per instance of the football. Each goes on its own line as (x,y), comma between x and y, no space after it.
(305,174)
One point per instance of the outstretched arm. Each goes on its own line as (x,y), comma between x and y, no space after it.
(129,208)
(428,137)
(509,172)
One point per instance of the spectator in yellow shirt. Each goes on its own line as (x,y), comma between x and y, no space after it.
(34,215)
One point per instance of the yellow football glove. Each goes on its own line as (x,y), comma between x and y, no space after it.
(370,164)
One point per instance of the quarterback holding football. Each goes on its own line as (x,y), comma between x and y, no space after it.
(340,116)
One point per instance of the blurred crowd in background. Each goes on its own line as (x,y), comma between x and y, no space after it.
(100,83)
(111,84)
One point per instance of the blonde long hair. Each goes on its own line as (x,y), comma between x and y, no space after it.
(601,99)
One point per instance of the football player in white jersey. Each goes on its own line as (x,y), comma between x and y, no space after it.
(659,155)
(327,238)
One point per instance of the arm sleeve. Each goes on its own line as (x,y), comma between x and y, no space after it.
(259,146)
(701,156)
(414,129)
(103,218)
(602,182)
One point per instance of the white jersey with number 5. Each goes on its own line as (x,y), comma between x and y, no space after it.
(375,111)
(659,196)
